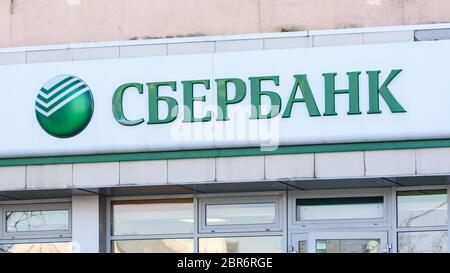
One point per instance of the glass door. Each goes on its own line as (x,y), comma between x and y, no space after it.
(340,242)
(348,242)
(299,243)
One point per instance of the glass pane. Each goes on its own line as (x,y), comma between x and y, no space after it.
(422,242)
(340,208)
(45,220)
(60,247)
(154,246)
(267,244)
(153,217)
(302,247)
(241,214)
(422,208)
(348,246)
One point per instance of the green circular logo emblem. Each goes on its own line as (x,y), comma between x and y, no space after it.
(64,106)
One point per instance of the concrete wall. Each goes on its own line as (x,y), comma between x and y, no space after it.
(38,22)
(86,224)
(339,165)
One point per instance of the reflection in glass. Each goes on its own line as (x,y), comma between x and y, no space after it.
(240,214)
(45,220)
(60,247)
(339,208)
(348,246)
(422,242)
(267,244)
(422,208)
(154,246)
(153,217)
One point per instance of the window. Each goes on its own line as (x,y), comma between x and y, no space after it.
(222,218)
(154,246)
(262,244)
(44,220)
(422,221)
(243,224)
(303,246)
(260,213)
(55,247)
(152,226)
(348,246)
(339,208)
(423,242)
(422,208)
(35,228)
(170,216)
(241,214)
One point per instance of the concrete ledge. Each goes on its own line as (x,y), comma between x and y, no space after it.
(143,50)
(95,174)
(289,42)
(96,53)
(210,38)
(13,58)
(12,178)
(347,164)
(257,168)
(191,170)
(49,56)
(49,176)
(240,45)
(388,37)
(433,161)
(338,40)
(289,166)
(190,48)
(225,43)
(242,168)
(387,163)
(148,172)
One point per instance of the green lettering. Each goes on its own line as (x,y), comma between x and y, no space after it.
(301,82)
(256,93)
(188,92)
(352,91)
(153,100)
(222,96)
(117,104)
(375,90)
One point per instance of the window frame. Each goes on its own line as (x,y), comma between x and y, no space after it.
(45,235)
(148,238)
(205,201)
(397,230)
(332,223)
(241,235)
(110,238)
(197,234)
(419,228)
(420,231)
(111,217)
(38,241)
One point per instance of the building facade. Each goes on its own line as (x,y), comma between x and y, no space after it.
(265,126)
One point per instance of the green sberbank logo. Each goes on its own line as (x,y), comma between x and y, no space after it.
(64,106)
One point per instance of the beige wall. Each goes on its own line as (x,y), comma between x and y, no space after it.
(37,22)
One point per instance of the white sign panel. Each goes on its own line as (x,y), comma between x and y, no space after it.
(419,86)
